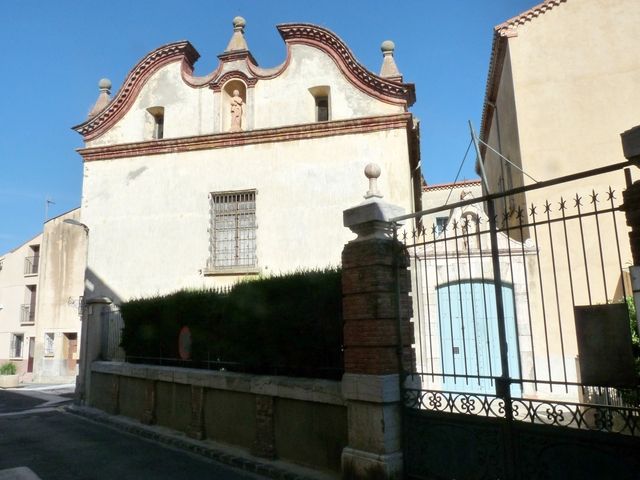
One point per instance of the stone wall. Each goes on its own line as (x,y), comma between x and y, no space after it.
(292,419)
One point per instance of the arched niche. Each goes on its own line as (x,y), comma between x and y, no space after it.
(226,101)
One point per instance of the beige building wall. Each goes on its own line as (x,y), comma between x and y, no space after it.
(564,87)
(19,289)
(59,303)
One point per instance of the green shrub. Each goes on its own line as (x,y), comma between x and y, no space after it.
(8,369)
(288,325)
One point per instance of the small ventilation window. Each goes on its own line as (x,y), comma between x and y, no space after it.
(322,109)
(157,115)
(321,99)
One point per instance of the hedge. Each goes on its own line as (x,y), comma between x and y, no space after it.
(287,325)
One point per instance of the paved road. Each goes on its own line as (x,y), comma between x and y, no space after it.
(34,433)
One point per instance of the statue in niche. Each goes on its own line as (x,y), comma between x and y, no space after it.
(236,112)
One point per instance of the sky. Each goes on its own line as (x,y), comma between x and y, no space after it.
(55,53)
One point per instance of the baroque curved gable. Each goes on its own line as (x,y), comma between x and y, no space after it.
(358,75)
(241,65)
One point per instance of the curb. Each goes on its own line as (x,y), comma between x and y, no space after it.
(176,440)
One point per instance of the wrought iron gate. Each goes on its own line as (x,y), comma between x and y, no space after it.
(524,364)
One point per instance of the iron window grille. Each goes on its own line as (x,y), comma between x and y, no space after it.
(27,314)
(49,339)
(17,340)
(233,230)
(31,265)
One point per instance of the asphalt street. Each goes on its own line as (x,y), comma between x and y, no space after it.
(35,432)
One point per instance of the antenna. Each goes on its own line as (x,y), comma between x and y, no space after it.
(48,201)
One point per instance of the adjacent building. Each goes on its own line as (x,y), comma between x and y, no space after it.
(19,288)
(41,288)
(562,85)
(442,194)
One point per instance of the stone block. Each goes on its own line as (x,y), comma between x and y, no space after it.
(362,465)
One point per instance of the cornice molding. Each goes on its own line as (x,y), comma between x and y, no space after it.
(137,77)
(384,89)
(448,186)
(237,139)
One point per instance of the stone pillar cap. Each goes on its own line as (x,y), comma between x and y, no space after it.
(103,97)
(237,41)
(389,68)
(371,219)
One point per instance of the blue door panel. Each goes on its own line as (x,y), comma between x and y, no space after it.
(469,336)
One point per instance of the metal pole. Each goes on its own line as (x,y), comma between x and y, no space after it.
(480,160)
(503,383)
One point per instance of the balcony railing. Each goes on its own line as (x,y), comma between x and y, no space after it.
(27,315)
(31,265)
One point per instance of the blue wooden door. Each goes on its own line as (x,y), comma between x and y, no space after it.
(469,337)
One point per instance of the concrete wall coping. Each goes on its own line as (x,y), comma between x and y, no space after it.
(371,388)
(305,389)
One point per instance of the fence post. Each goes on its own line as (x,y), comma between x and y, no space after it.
(90,345)
(373,351)
(631,207)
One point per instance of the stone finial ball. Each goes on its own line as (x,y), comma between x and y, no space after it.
(104,84)
(239,22)
(372,170)
(387,46)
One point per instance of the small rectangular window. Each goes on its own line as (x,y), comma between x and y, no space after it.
(49,339)
(322,108)
(233,230)
(157,117)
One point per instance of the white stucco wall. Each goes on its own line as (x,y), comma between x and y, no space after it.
(149,216)
(288,94)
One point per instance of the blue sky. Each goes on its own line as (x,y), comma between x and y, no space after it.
(55,53)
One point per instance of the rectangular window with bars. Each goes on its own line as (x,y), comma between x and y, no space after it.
(233,231)
(17,340)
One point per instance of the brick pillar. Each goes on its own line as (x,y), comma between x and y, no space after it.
(372,348)
(631,207)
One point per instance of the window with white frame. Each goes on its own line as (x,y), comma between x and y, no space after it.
(49,339)
(233,231)
(17,342)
